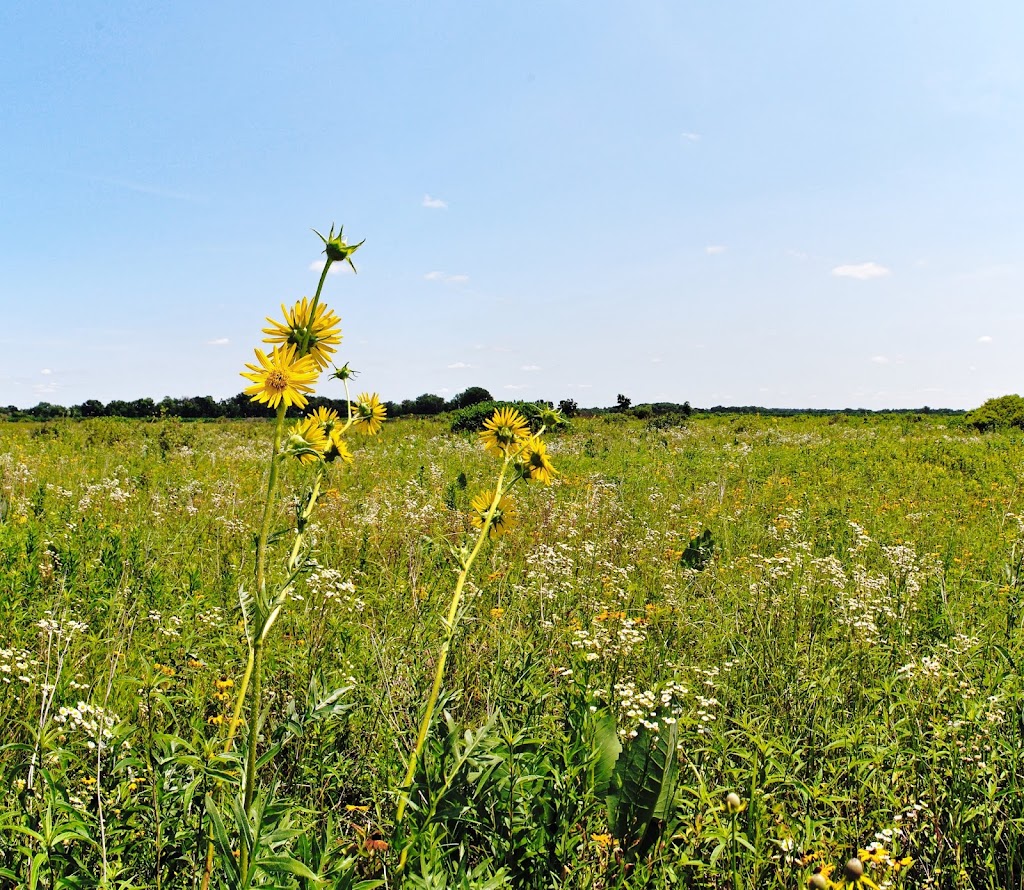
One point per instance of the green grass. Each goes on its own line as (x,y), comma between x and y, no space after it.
(850,656)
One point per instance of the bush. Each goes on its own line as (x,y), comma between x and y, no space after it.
(1000,413)
(473,417)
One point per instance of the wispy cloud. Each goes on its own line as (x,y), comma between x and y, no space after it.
(156,191)
(714,249)
(862,271)
(691,137)
(47,371)
(530,368)
(434,203)
(984,338)
(218,341)
(457,365)
(515,386)
(445,278)
(880,359)
(336,268)
(44,389)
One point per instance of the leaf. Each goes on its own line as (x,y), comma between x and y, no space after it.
(287,865)
(608,748)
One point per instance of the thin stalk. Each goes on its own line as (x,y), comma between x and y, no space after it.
(268,506)
(450,627)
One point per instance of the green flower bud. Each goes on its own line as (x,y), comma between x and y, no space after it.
(337,249)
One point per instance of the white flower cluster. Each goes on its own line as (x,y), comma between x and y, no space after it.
(97,724)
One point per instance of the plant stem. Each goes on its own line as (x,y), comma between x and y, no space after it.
(268,507)
(450,627)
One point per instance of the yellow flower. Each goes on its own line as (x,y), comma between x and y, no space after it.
(313,332)
(281,377)
(854,877)
(534,462)
(368,414)
(306,440)
(504,516)
(603,840)
(505,429)
(333,429)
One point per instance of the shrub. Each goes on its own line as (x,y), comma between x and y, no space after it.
(999,413)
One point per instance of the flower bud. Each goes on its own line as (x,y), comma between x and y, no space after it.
(337,250)
(733,802)
(854,869)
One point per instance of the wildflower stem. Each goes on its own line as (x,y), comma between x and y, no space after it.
(450,627)
(268,507)
(304,346)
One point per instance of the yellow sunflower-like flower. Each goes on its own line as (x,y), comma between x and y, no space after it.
(306,440)
(312,332)
(333,429)
(504,515)
(503,431)
(534,463)
(368,413)
(281,377)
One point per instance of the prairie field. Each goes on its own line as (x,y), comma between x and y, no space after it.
(734,651)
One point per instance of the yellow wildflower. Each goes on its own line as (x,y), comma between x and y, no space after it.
(281,377)
(306,440)
(503,518)
(314,332)
(503,431)
(368,414)
(534,461)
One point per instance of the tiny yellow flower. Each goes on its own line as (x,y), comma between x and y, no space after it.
(368,414)
(313,332)
(603,840)
(497,612)
(503,431)
(354,808)
(503,518)
(281,377)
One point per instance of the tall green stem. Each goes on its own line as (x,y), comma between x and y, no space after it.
(442,658)
(268,506)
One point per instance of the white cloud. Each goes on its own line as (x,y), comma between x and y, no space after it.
(880,359)
(434,203)
(530,368)
(985,338)
(713,249)
(862,271)
(46,371)
(657,360)
(336,268)
(515,386)
(457,365)
(219,341)
(691,137)
(44,389)
(446,278)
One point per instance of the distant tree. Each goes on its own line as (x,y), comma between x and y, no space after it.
(622,403)
(91,408)
(46,411)
(471,396)
(568,407)
(429,404)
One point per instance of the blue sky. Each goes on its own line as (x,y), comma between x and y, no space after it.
(799,204)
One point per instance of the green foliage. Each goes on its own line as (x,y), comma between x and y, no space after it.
(851,658)
(698,552)
(999,413)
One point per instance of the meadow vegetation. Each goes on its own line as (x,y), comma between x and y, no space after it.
(714,651)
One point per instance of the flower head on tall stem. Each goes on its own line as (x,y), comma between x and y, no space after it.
(534,463)
(313,330)
(504,431)
(503,518)
(283,377)
(333,429)
(368,413)
(306,440)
